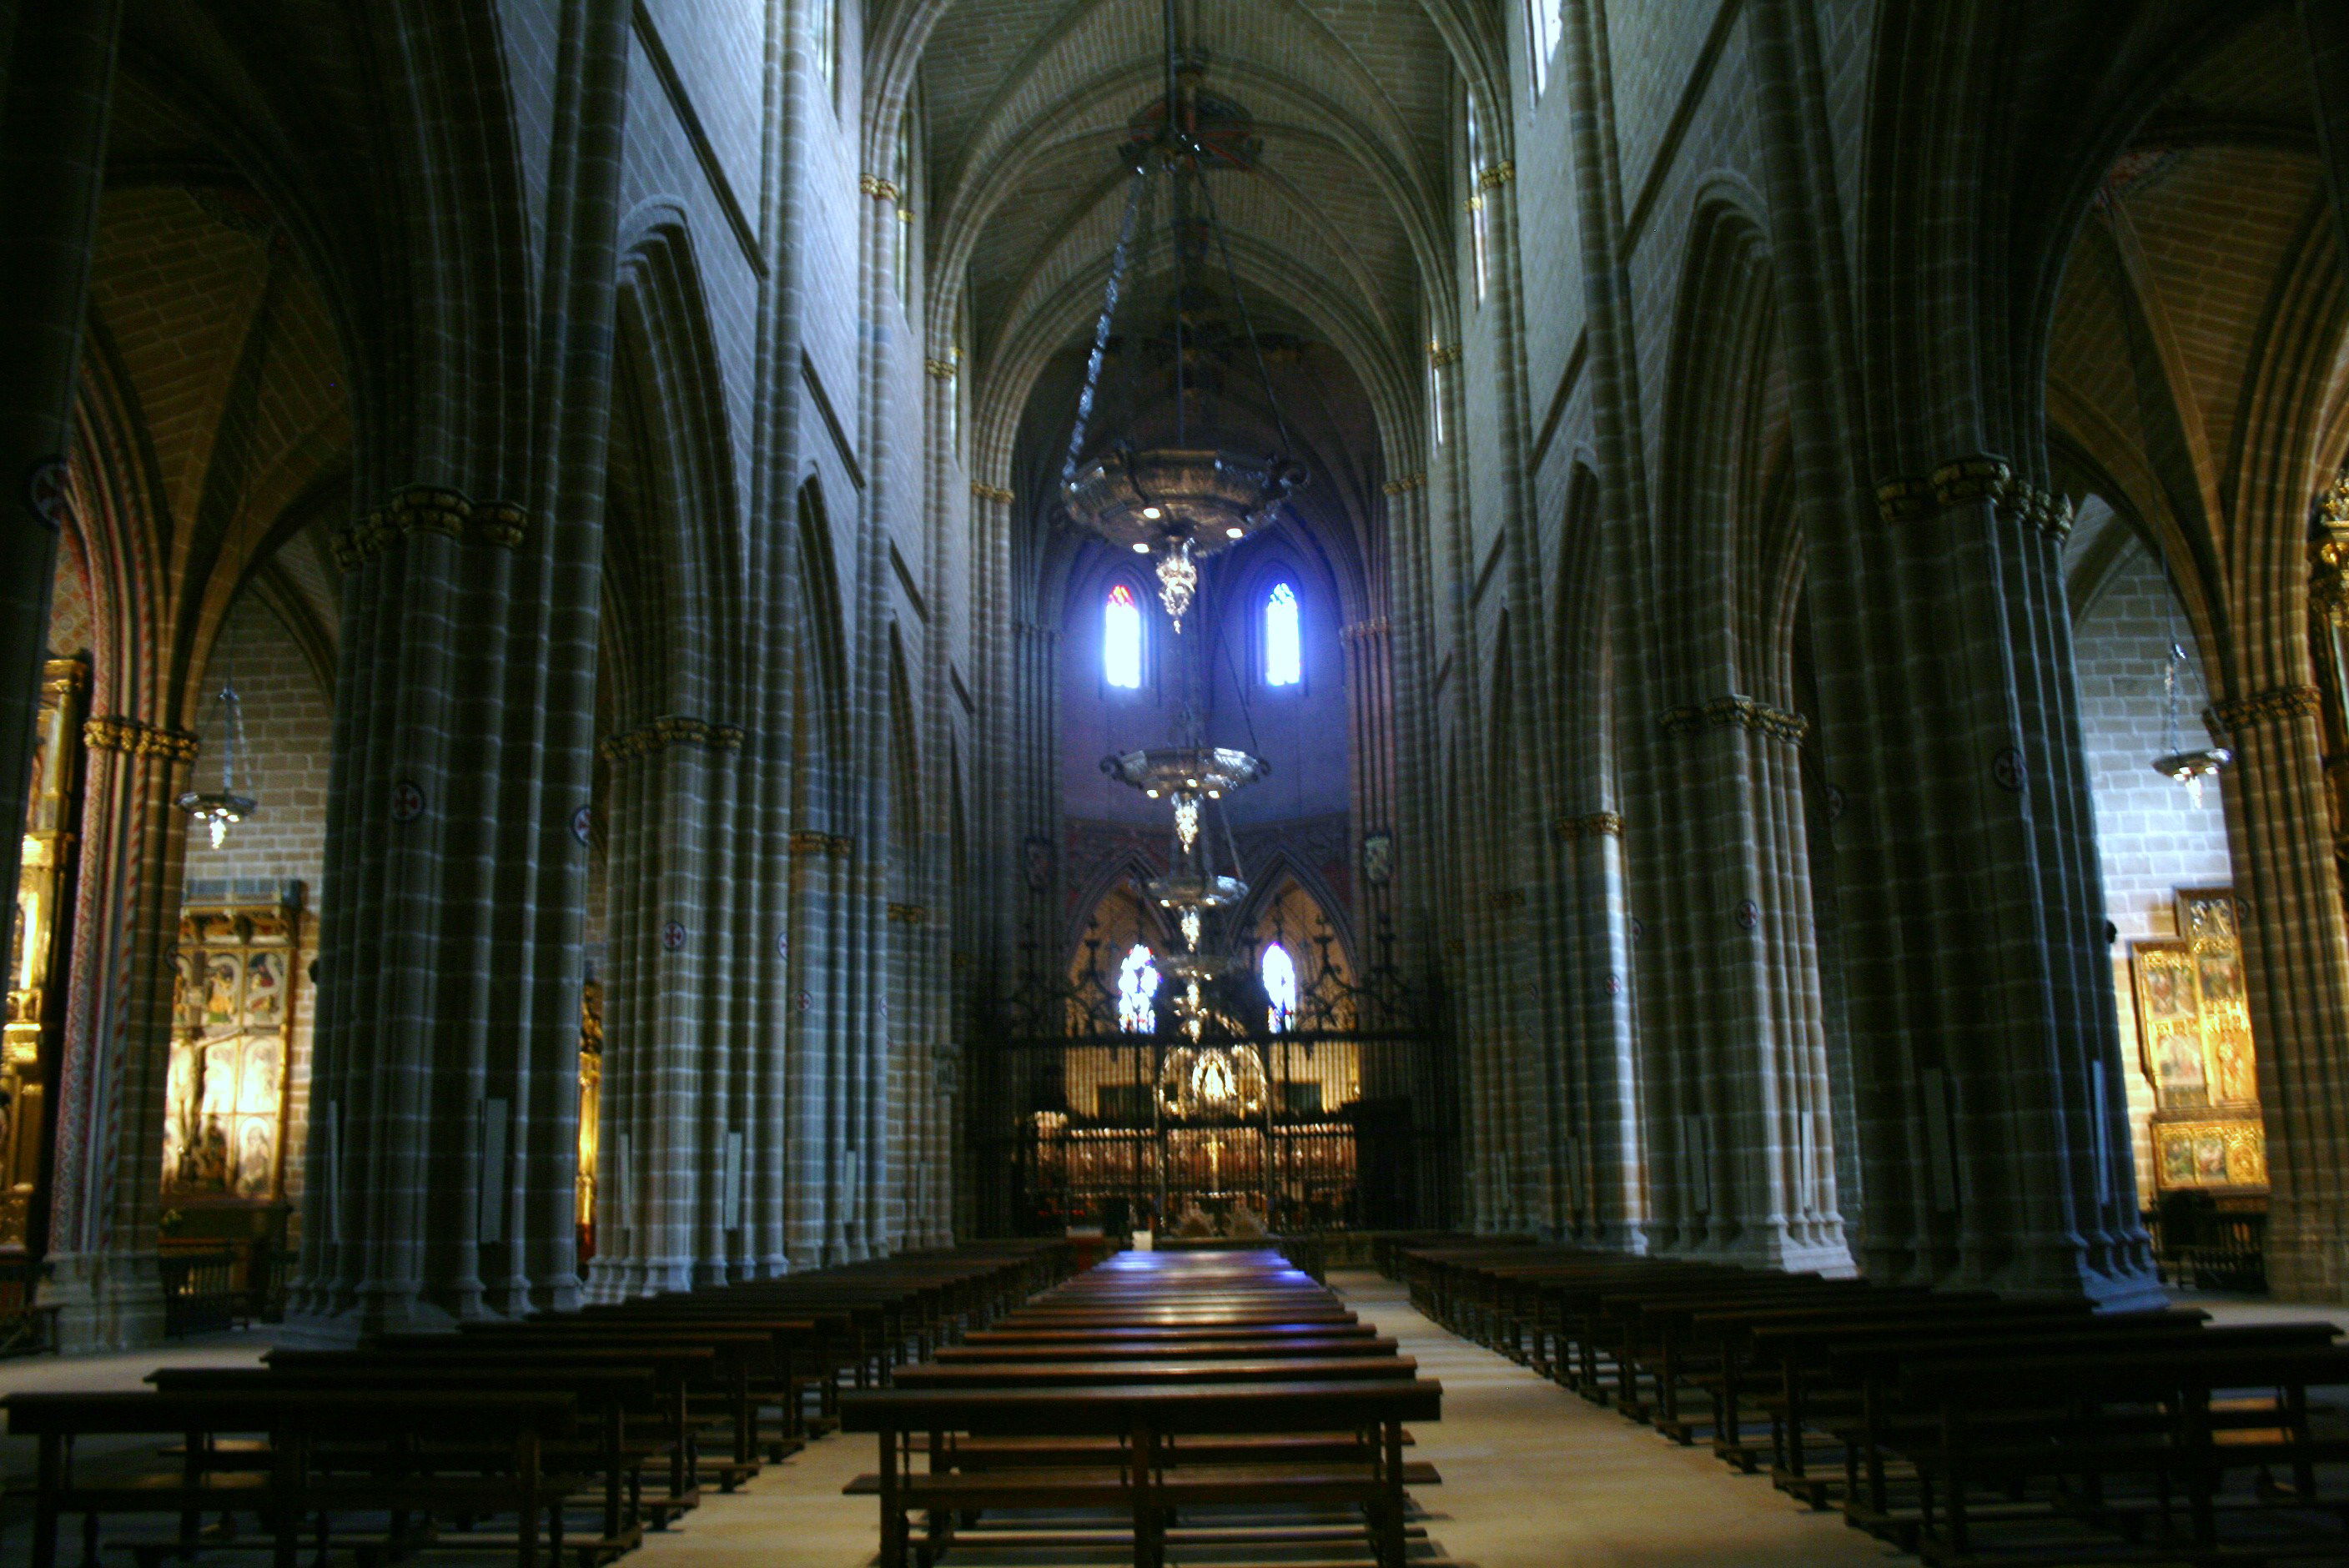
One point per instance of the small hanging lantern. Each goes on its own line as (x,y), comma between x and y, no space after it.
(2179,766)
(228,803)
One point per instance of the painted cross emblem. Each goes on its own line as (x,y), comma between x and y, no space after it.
(45,491)
(672,936)
(407,801)
(1639,930)
(804,1001)
(1748,914)
(783,944)
(1614,984)
(2007,769)
(1835,804)
(581,820)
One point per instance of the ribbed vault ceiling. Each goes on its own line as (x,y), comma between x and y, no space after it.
(1027,105)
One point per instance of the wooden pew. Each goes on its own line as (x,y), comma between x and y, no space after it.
(426,1453)
(1152,1424)
(608,1399)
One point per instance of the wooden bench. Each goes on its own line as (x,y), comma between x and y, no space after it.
(424,1453)
(1150,1423)
(608,1400)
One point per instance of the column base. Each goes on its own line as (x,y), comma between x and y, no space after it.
(105,1301)
(2313,1268)
(343,1327)
(2058,1271)
(1772,1250)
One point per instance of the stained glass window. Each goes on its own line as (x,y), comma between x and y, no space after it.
(1137,991)
(1280,972)
(1121,639)
(1284,645)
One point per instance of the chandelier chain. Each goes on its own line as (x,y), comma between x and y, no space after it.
(1117,264)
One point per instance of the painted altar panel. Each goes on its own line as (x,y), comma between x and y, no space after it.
(2195,1031)
(233,1003)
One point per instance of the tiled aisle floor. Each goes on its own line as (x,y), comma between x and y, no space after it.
(1534,1477)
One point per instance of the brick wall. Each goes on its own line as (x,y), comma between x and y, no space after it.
(2151,837)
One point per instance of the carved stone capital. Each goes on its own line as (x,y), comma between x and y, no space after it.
(2235,715)
(1744,712)
(428,509)
(1590,825)
(133,737)
(996,494)
(673,730)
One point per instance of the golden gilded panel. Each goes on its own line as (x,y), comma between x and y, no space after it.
(232,1011)
(2194,1030)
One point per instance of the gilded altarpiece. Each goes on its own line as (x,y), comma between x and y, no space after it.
(591,1110)
(38,950)
(2195,1030)
(225,1099)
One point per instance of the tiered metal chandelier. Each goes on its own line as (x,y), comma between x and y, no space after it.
(1175,502)
(1200,1078)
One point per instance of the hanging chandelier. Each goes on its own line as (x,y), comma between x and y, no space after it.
(1177,502)
(2177,765)
(1193,777)
(230,802)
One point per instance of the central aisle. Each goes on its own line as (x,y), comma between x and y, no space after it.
(1534,1477)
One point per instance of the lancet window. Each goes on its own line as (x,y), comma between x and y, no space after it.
(1283,641)
(1280,972)
(1137,991)
(1121,639)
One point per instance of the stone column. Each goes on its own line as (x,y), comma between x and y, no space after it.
(2282,829)
(807,1048)
(58,83)
(1738,1108)
(108,1168)
(1606,1195)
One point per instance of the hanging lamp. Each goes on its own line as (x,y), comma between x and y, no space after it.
(231,802)
(2177,765)
(1177,502)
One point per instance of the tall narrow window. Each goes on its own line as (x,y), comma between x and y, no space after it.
(1279,972)
(1544,25)
(1435,391)
(1137,991)
(1121,639)
(903,177)
(1476,197)
(1284,646)
(826,42)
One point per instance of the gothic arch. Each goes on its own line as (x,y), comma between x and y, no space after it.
(1112,908)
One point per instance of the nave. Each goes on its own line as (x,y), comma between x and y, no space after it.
(1529,1475)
